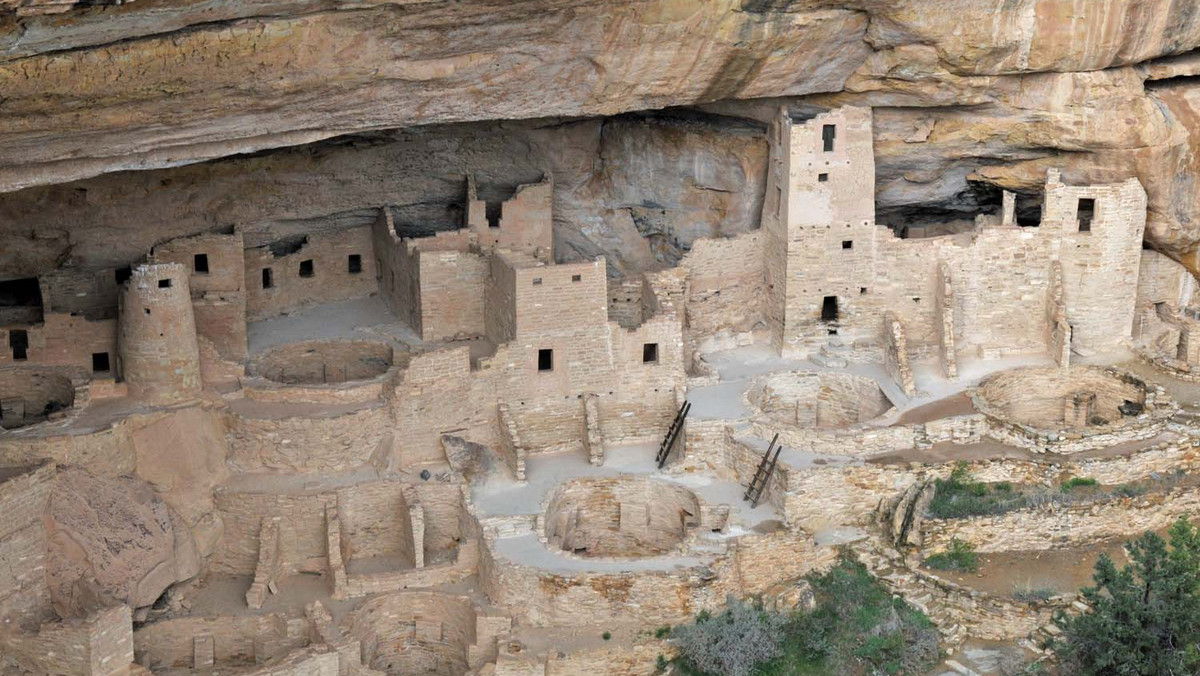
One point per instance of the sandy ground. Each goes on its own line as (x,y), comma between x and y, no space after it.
(1062,570)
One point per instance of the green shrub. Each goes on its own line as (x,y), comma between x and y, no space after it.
(606,635)
(663,631)
(1079,482)
(960,556)
(960,496)
(661,664)
(857,627)
(732,643)
(1144,618)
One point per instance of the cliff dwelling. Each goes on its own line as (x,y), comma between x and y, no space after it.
(523,341)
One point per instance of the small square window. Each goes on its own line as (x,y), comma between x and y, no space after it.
(576,278)
(649,353)
(537,281)
(821,178)
(146,310)
(306,268)
(862,289)
(200,264)
(267,281)
(847,244)
(354,264)
(100,362)
(545,360)
(164,283)
(123,274)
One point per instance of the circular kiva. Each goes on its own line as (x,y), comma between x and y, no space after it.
(324,362)
(30,395)
(818,400)
(1078,399)
(624,517)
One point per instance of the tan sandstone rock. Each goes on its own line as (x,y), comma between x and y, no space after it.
(112,540)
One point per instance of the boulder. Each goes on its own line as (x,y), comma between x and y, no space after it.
(112,540)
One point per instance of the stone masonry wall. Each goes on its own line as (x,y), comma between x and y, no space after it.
(331,278)
(307,438)
(237,639)
(217,282)
(66,340)
(725,285)
(98,645)
(1068,526)
(24,495)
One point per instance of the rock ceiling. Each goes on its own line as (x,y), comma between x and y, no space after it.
(967,93)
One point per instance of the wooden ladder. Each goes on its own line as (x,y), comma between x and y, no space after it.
(763,474)
(668,443)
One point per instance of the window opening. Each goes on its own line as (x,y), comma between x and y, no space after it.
(492,211)
(18,340)
(649,353)
(1086,213)
(829,309)
(828,133)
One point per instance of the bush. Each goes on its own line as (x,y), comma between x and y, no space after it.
(960,556)
(663,631)
(1078,482)
(959,496)
(606,635)
(857,627)
(1143,619)
(731,643)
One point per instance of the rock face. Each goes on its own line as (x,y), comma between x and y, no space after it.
(900,517)
(156,87)
(112,540)
(969,96)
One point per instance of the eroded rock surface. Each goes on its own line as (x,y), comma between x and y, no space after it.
(112,540)
(969,97)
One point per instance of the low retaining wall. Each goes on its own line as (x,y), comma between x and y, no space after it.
(1058,527)
(299,439)
(958,611)
(752,564)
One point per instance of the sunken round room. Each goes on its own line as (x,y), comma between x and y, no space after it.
(817,400)
(1080,400)
(324,362)
(29,396)
(620,517)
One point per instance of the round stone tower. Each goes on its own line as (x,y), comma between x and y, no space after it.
(160,358)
